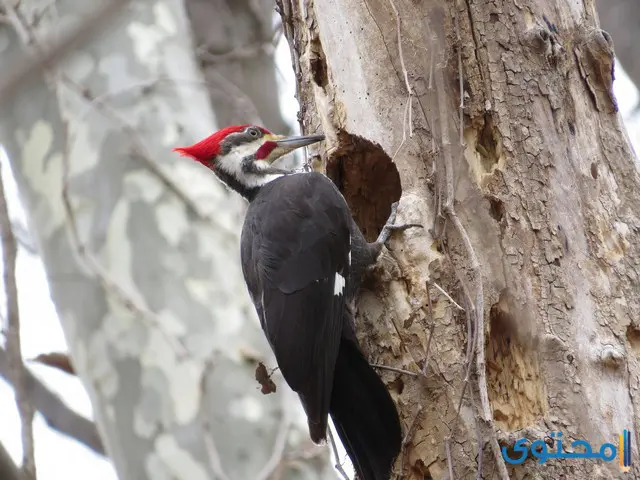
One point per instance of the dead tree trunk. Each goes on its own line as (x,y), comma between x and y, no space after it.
(495,125)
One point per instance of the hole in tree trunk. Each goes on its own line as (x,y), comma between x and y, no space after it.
(514,383)
(633,336)
(496,208)
(318,63)
(368,179)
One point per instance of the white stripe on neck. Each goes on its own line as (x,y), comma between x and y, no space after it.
(232,165)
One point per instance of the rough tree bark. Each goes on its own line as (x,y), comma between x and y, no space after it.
(141,250)
(530,196)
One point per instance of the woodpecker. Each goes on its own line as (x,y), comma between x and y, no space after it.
(302,258)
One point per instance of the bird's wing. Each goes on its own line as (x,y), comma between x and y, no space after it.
(300,253)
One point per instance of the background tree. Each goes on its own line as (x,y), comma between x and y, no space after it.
(621,19)
(140,247)
(235,42)
(495,125)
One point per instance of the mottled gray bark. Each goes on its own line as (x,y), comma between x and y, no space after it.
(621,18)
(528,187)
(234,42)
(143,265)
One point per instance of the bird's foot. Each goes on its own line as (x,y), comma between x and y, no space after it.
(391,227)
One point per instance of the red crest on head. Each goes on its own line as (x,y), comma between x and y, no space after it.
(207,149)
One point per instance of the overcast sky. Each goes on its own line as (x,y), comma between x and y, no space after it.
(56,456)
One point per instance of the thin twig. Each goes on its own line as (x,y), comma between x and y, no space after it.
(412,426)
(409,435)
(55,411)
(14,348)
(277,456)
(448,296)
(426,355)
(478,312)
(471,333)
(408,111)
(447,450)
(497,455)
(425,365)
(479,439)
(397,370)
(214,456)
(431,329)
(31,67)
(244,52)
(334,448)
(460,81)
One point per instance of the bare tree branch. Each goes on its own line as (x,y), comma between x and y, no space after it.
(334,448)
(29,67)
(280,443)
(56,413)
(14,350)
(24,238)
(8,469)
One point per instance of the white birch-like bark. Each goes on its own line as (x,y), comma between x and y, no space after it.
(152,302)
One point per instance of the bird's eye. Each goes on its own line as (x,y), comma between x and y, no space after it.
(254,132)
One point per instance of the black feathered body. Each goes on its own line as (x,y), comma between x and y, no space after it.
(302,257)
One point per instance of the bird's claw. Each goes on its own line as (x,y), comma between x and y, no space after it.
(391,227)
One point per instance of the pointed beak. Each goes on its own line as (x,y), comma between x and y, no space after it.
(291,143)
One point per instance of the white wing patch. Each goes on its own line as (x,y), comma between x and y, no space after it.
(338,284)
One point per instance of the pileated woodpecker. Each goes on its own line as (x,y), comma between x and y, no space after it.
(302,257)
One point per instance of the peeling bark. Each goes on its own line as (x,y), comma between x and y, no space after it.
(141,253)
(532,196)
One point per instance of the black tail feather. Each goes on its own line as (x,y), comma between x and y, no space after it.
(364,415)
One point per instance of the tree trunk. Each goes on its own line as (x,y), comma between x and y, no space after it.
(530,198)
(141,252)
(235,46)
